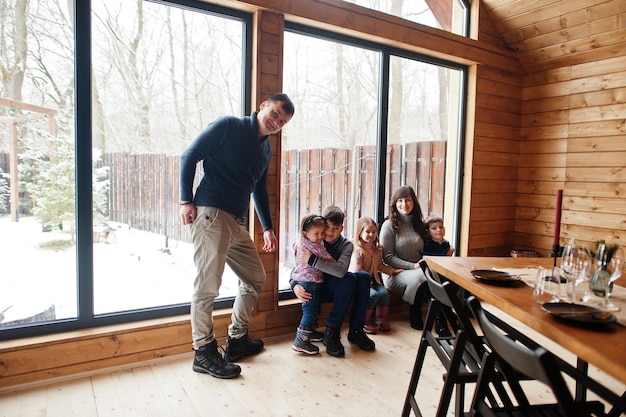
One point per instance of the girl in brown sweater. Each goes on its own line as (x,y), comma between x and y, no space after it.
(368,256)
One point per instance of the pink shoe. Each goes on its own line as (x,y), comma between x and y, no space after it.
(370,328)
(383,325)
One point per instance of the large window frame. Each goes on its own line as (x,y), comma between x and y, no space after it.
(453,206)
(84,186)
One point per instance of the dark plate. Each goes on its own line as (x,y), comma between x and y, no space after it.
(578,313)
(494,276)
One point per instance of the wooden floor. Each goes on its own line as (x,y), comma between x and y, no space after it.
(277,382)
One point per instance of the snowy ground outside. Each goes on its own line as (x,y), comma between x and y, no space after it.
(133,271)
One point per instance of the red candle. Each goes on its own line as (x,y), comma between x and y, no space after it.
(557,218)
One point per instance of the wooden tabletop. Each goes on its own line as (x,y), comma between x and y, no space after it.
(604,347)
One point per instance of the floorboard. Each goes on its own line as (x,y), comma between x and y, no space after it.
(278,382)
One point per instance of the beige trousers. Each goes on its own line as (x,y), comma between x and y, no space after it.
(219,238)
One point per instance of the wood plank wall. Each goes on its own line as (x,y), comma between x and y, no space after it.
(492,198)
(573,139)
(492,151)
(573,103)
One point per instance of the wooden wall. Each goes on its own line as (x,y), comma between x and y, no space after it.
(492,149)
(490,202)
(572,117)
(573,120)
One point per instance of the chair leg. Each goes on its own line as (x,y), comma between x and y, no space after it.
(409,402)
(460,400)
(450,381)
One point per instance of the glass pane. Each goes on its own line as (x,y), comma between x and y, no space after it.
(423,134)
(37,221)
(159,77)
(449,15)
(335,89)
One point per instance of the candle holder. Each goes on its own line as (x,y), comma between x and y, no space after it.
(557,252)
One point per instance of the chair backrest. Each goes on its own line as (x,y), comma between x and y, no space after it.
(518,360)
(447,293)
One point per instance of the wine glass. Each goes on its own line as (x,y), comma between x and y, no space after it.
(569,266)
(609,266)
(547,285)
(577,270)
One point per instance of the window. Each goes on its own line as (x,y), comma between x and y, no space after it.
(96,238)
(449,15)
(335,88)
(159,77)
(37,166)
(424,134)
(360,99)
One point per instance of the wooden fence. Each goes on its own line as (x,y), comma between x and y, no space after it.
(316,178)
(144,192)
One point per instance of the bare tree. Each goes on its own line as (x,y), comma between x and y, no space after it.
(13,47)
(126,58)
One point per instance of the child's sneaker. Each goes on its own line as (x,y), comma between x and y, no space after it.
(303,344)
(370,328)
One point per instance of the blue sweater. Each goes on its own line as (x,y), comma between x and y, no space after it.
(235,165)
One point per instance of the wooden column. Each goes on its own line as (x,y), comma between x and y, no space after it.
(267,80)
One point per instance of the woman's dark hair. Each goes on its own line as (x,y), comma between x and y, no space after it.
(418,223)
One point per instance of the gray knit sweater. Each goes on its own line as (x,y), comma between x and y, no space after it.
(402,248)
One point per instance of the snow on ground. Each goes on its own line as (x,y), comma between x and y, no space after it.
(133,271)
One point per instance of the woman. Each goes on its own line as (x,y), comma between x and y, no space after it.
(402,237)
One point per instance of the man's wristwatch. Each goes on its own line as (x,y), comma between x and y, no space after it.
(184,203)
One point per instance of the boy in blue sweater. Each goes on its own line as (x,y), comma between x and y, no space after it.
(436,244)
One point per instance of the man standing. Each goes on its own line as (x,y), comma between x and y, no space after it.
(235,154)
(339,287)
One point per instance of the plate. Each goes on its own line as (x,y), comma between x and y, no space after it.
(579,313)
(492,275)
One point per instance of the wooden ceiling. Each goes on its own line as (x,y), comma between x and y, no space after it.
(548,34)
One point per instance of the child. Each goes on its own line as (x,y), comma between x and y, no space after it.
(368,256)
(436,244)
(311,237)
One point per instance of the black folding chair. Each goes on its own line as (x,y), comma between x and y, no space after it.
(517,358)
(461,353)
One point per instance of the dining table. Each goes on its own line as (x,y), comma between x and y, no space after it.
(602,345)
